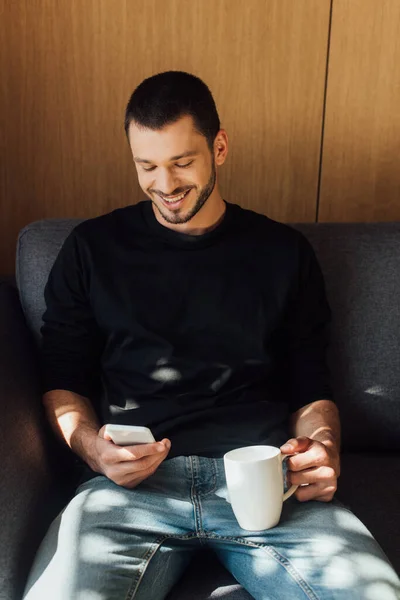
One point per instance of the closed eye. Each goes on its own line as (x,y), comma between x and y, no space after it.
(177,165)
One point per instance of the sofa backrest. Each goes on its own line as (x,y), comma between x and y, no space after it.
(361,266)
(37,248)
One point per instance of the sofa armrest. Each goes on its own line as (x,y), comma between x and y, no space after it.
(30,494)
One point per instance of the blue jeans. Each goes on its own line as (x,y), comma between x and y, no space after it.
(111,543)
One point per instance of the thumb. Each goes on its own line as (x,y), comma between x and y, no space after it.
(102,433)
(299,444)
(167,443)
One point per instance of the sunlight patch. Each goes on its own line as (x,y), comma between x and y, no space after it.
(264,564)
(338,573)
(376,390)
(131,403)
(350,522)
(380,590)
(161,362)
(89,595)
(370,566)
(327,545)
(222,492)
(89,545)
(224,592)
(102,501)
(166,374)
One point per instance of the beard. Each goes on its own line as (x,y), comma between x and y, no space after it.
(205,193)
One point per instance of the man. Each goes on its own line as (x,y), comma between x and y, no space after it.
(207,323)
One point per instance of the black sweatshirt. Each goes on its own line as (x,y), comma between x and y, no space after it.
(209,340)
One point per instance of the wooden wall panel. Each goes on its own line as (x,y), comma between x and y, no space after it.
(69,67)
(360,166)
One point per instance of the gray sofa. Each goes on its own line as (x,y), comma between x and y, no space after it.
(361,264)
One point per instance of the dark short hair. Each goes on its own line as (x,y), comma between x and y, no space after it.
(166,97)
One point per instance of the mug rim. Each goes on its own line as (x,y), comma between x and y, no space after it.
(233,455)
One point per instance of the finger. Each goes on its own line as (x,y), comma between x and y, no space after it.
(142,465)
(299,444)
(307,492)
(167,443)
(315,456)
(315,491)
(103,434)
(130,473)
(326,498)
(141,450)
(152,462)
(325,475)
(127,474)
(134,469)
(116,454)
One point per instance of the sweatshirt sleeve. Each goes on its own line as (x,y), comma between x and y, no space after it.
(71,340)
(307,333)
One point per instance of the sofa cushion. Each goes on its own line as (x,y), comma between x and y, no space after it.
(37,248)
(370,486)
(30,492)
(207,579)
(361,265)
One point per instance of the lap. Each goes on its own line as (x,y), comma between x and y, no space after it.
(317,551)
(109,543)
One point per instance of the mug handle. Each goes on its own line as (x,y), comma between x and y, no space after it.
(293,488)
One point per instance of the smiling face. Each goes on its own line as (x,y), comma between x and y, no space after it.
(177,171)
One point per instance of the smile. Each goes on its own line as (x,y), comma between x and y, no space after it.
(174,199)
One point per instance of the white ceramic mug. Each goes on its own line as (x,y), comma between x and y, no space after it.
(254,478)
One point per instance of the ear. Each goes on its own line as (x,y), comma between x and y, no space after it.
(220,147)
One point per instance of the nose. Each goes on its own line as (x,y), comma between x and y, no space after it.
(166,182)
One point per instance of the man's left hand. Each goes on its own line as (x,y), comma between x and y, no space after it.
(315,468)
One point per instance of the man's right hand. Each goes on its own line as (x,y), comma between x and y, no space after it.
(126,465)
(73,418)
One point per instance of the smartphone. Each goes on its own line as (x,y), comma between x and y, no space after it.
(129,435)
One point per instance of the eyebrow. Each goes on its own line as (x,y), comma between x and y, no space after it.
(177,157)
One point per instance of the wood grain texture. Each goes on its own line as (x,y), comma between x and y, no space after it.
(360,167)
(69,66)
